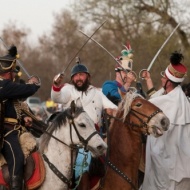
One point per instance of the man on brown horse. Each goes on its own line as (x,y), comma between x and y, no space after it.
(122,83)
(123,79)
(166,156)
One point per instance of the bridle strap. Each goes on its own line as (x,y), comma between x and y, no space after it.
(113,167)
(84,141)
(149,117)
(57,172)
(44,131)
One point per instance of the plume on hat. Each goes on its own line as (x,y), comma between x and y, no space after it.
(12,51)
(176,58)
(125,59)
(127,52)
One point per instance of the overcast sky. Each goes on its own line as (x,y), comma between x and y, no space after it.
(37,15)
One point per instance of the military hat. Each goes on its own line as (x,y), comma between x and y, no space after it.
(176,71)
(125,60)
(8,62)
(79,68)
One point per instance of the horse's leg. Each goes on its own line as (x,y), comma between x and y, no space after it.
(84,183)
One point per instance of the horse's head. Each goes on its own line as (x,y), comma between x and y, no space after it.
(138,112)
(74,128)
(83,132)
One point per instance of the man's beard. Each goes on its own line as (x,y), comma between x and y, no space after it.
(84,86)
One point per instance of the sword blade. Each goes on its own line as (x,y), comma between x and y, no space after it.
(90,38)
(82,47)
(108,53)
(152,62)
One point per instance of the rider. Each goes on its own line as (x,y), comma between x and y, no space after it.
(123,77)
(166,156)
(114,90)
(93,102)
(11,116)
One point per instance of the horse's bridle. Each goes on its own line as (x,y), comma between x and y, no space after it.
(72,146)
(84,141)
(144,125)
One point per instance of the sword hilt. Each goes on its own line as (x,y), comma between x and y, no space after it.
(140,73)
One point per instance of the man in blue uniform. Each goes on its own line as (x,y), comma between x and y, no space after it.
(124,77)
(11,115)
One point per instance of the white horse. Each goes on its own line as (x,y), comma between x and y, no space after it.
(70,130)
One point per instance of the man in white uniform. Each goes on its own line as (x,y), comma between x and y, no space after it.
(92,98)
(168,157)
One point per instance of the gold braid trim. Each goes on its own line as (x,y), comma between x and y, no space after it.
(17,106)
(27,112)
(38,122)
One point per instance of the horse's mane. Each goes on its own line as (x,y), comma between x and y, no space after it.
(125,104)
(57,122)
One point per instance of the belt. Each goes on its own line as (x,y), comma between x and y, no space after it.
(10,120)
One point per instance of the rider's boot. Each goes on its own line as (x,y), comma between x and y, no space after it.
(16,183)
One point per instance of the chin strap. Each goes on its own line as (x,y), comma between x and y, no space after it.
(165,86)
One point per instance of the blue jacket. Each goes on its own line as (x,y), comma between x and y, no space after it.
(110,89)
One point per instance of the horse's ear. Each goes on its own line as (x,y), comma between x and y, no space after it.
(73,107)
(78,103)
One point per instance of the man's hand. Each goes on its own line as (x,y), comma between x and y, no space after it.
(34,80)
(111,112)
(58,80)
(129,79)
(145,75)
(28,121)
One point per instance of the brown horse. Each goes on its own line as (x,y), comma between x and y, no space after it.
(135,116)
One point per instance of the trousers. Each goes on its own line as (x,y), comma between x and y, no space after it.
(13,153)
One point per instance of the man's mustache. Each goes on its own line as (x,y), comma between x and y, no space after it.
(79,81)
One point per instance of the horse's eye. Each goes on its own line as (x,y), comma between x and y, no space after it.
(82,125)
(138,104)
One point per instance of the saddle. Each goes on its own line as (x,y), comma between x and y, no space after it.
(34,172)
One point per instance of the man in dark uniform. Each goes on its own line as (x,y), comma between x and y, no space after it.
(11,116)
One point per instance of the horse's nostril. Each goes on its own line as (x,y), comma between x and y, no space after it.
(163,122)
(100,147)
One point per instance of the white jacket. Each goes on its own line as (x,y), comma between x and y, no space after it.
(168,156)
(93,100)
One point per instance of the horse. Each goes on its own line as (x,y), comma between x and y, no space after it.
(70,130)
(135,116)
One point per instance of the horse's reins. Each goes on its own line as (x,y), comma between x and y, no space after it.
(145,124)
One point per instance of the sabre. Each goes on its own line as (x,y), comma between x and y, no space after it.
(62,73)
(80,49)
(90,38)
(153,60)
(20,64)
(105,50)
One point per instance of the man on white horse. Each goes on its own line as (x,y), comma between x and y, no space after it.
(167,157)
(93,102)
